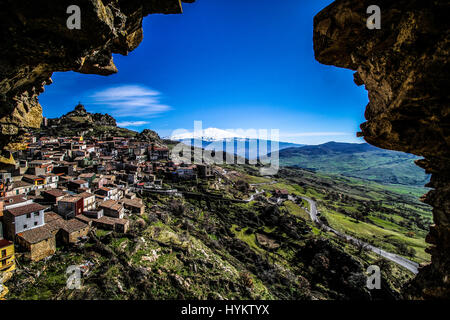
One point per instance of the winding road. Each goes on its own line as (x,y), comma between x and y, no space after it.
(252,197)
(408,264)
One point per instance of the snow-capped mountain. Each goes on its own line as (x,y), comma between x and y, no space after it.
(209,134)
(247,147)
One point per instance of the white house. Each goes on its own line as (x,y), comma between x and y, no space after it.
(15,201)
(109,193)
(23,218)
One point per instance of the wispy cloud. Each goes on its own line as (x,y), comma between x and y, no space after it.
(131,123)
(130,101)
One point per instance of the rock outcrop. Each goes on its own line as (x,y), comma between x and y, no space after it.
(405,68)
(149,136)
(80,115)
(37,42)
(79,122)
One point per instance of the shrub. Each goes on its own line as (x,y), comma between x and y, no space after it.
(246,280)
(177,207)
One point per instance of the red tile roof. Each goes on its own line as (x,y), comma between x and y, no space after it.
(14,199)
(111,204)
(70,199)
(37,234)
(5,243)
(85,195)
(55,192)
(79,181)
(29,208)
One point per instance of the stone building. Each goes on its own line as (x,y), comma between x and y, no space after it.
(66,231)
(133,205)
(37,243)
(70,206)
(112,208)
(88,200)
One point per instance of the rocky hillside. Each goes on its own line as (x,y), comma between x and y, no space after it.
(208,247)
(404,66)
(149,135)
(80,122)
(80,115)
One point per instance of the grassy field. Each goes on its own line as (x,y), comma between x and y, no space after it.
(388,216)
(296,210)
(381,233)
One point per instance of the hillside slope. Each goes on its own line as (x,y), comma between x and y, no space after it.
(208,247)
(357,160)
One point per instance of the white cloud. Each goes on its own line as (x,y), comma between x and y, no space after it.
(131,123)
(130,101)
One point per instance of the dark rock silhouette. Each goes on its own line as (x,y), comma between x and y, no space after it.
(405,68)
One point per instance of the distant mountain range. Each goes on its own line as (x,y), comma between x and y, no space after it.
(357,160)
(209,134)
(234,143)
(350,159)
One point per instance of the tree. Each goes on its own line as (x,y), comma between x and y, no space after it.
(242,186)
(361,246)
(410,234)
(176,207)
(411,252)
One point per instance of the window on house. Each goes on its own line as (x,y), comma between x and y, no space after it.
(35,223)
(4,253)
(37,214)
(28,215)
(25,226)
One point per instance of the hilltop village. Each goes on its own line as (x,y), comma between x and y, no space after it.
(61,188)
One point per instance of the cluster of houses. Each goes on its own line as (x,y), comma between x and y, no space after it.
(61,188)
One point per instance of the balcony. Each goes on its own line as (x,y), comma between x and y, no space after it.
(3,257)
(6,266)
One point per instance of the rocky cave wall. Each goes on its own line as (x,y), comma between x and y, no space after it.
(405,69)
(404,66)
(37,42)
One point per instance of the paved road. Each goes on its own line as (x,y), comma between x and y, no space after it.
(262,183)
(252,197)
(408,264)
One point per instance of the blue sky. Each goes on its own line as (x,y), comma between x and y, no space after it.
(230,64)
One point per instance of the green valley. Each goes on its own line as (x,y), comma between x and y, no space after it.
(357,160)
